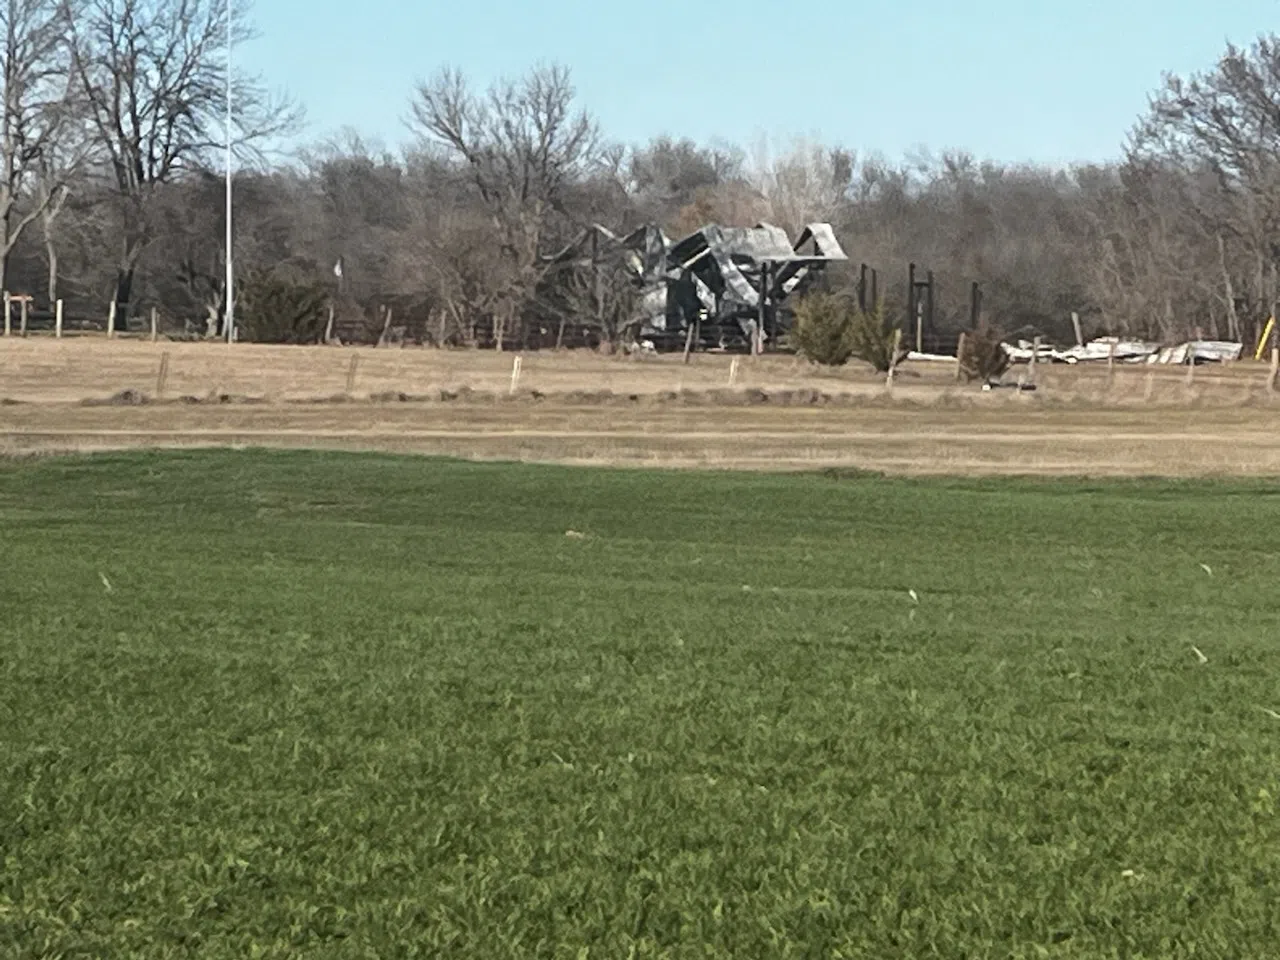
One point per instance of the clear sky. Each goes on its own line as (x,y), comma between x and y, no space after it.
(1013,80)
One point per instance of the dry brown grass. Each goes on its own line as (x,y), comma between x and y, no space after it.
(584,408)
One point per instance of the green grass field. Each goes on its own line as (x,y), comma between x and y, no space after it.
(262,704)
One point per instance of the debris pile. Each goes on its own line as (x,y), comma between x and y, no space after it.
(729,283)
(1115,349)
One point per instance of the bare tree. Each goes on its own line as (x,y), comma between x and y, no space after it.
(1218,133)
(522,144)
(37,112)
(153,74)
(804,184)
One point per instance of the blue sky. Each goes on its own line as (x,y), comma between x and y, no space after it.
(1014,80)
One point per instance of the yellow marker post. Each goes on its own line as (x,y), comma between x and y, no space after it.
(1265,338)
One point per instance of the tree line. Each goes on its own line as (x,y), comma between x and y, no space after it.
(111,190)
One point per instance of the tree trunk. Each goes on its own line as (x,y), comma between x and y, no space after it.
(124,289)
(499,329)
(51,254)
(1229,291)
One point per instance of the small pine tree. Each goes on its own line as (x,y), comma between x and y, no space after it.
(984,356)
(830,330)
(275,309)
(823,329)
(874,336)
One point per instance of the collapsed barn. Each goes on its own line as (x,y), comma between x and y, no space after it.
(720,286)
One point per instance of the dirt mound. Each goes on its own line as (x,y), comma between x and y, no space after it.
(125,398)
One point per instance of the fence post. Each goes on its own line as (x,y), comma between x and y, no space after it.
(22,316)
(155,324)
(1111,363)
(162,376)
(111,321)
(1275,369)
(960,356)
(8,314)
(57,320)
(893,359)
(516,364)
(1191,364)
(1035,354)
(351,373)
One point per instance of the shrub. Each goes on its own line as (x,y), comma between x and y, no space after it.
(276,309)
(823,329)
(983,356)
(829,329)
(873,339)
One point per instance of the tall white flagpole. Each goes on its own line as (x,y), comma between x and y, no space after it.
(230,289)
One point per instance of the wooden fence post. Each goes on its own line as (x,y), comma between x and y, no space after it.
(328,328)
(960,356)
(688,343)
(893,359)
(1035,355)
(351,373)
(1275,369)
(8,314)
(1111,363)
(22,316)
(1191,364)
(162,375)
(386,327)
(111,321)
(57,320)
(155,324)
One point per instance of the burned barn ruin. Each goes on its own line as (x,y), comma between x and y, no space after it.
(720,286)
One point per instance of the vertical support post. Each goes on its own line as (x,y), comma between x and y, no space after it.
(162,375)
(111,320)
(22,316)
(1111,363)
(862,289)
(57,320)
(230,238)
(328,327)
(1191,364)
(893,359)
(763,312)
(960,356)
(155,324)
(1075,322)
(351,373)
(911,295)
(928,313)
(596,281)
(688,341)
(1035,355)
(516,364)
(1275,369)
(8,314)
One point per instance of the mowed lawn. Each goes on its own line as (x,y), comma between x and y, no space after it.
(262,704)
